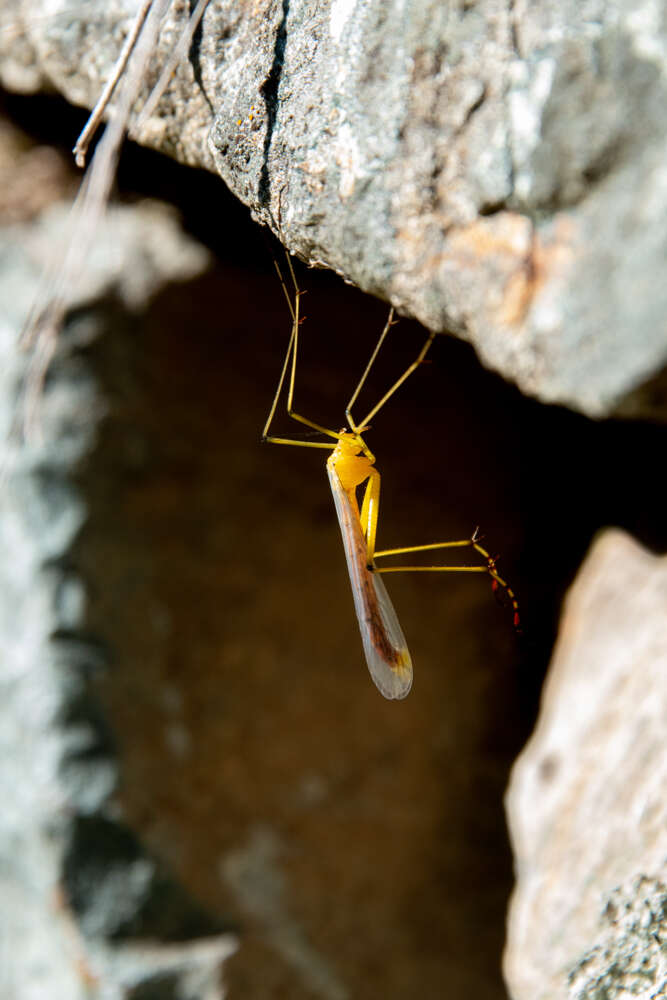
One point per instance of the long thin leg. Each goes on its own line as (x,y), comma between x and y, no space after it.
(352,424)
(353,398)
(399,382)
(290,348)
(424,548)
(498,580)
(290,362)
(431,569)
(489,568)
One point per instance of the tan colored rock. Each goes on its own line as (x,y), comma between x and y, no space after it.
(587,807)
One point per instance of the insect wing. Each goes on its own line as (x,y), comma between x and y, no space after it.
(384,645)
(393,679)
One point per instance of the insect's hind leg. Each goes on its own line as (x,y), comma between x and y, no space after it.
(472,542)
(498,580)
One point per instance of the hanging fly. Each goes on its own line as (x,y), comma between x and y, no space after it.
(351,465)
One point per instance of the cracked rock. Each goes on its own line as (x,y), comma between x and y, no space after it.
(494,170)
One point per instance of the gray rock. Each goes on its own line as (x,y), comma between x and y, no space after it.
(493,170)
(629,958)
(586,804)
(80,894)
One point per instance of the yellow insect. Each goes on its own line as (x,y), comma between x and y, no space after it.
(351,464)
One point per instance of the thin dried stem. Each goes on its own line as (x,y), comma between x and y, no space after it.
(178,53)
(49,310)
(81,148)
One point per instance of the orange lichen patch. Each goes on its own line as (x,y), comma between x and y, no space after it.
(505,238)
(548,259)
(519,260)
(554,257)
(519,293)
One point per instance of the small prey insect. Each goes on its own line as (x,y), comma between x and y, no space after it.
(350,465)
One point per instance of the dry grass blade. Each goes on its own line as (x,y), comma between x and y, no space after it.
(48,312)
(178,53)
(81,148)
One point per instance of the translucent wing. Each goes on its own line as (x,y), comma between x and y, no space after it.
(386,652)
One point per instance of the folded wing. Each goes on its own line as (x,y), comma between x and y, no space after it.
(384,644)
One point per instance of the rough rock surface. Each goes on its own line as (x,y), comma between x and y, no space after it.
(81,896)
(629,957)
(493,169)
(586,804)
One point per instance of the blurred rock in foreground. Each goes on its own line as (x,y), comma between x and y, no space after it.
(587,806)
(86,910)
